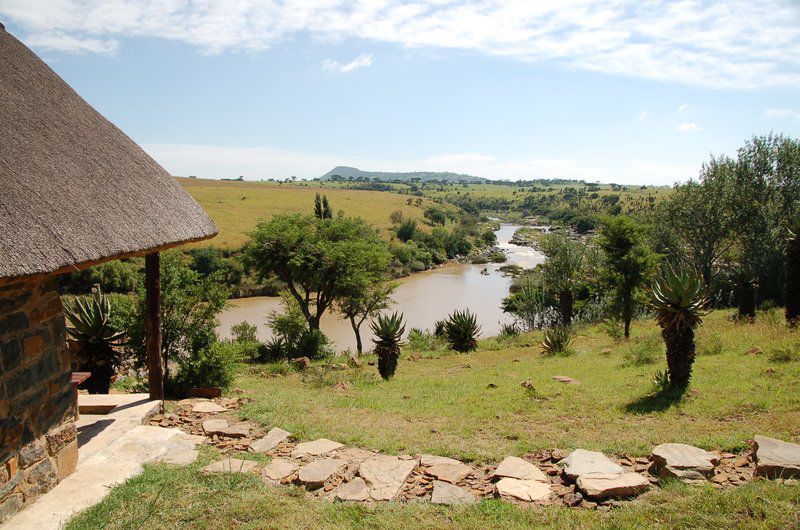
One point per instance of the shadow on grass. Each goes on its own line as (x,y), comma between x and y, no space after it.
(656,402)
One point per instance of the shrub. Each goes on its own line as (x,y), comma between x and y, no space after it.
(613,329)
(478,259)
(557,340)
(461,331)
(509,329)
(244,332)
(660,381)
(645,351)
(421,340)
(498,257)
(785,354)
(210,367)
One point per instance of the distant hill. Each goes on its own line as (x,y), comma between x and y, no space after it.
(345,173)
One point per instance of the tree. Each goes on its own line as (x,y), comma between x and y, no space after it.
(363,302)
(562,270)
(322,210)
(406,230)
(435,216)
(190,303)
(320,260)
(628,261)
(396,217)
(793,276)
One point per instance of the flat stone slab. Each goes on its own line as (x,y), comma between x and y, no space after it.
(523,490)
(273,438)
(452,472)
(230,465)
(354,455)
(432,460)
(448,494)
(565,379)
(314,475)
(776,458)
(605,486)
(319,447)
(214,426)
(385,475)
(278,469)
(581,462)
(515,467)
(683,461)
(237,430)
(208,407)
(355,490)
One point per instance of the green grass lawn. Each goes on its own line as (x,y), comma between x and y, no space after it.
(472,406)
(443,403)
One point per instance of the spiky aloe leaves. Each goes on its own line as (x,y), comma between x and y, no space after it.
(461,330)
(388,330)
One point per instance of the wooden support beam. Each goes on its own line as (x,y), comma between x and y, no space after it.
(152,282)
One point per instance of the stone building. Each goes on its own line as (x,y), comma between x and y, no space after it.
(75,191)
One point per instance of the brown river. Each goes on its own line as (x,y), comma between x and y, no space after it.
(423,297)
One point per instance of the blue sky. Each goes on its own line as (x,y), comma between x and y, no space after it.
(623,91)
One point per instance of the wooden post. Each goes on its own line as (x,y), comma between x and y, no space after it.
(152,320)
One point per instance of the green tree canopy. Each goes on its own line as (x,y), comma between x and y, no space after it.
(320,260)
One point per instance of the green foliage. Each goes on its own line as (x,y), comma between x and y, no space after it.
(190,303)
(388,331)
(678,299)
(488,237)
(213,366)
(509,329)
(644,351)
(406,230)
(628,263)
(319,260)
(785,354)
(322,209)
(422,340)
(94,339)
(461,331)
(117,276)
(557,340)
(613,329)
(435,216)
(244,332)
(660,382)
(291,336)
(529,304)
(364,301)
(498,257)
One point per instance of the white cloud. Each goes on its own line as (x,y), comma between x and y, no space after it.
(781,114)
(717,43)
(267,162)
(362,61)
(642,115)
(688,127)
(684,107)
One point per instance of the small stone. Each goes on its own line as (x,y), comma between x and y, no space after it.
(301,363)
(353,362)
(207,407)
(274,437)
(230,465)
(605,486)
(238,430)
(587,504)
(565,379)
(720,478)
(355,490)
(776,459)
(448,494)
(314,475)
(318,447)
(278,469)
(582,462)
(452,472)
(741,462)
(491,385)
(524,490)
(573,499)
(514,467)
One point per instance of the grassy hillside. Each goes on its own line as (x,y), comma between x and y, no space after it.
(473,406)
(237,206)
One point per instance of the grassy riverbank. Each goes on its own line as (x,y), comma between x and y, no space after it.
(472,406)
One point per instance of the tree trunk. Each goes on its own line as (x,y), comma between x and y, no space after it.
(680,356)
(746,301)
(565,301)
(627,327)
(357,331)
(793,281)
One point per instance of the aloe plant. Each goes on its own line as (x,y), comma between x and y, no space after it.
(93,339)
(461,330)
(792,293)
(557,340)
(388,331)
(678,299)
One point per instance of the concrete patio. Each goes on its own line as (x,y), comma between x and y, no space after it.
(112,448)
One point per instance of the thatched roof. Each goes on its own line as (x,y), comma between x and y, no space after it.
(74,189)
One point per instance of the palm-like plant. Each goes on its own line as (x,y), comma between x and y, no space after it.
(93,337)
(678,299)
(792,294)
(744,289)
(461,330)
(388,331)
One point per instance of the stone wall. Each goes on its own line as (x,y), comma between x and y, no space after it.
(38,441)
